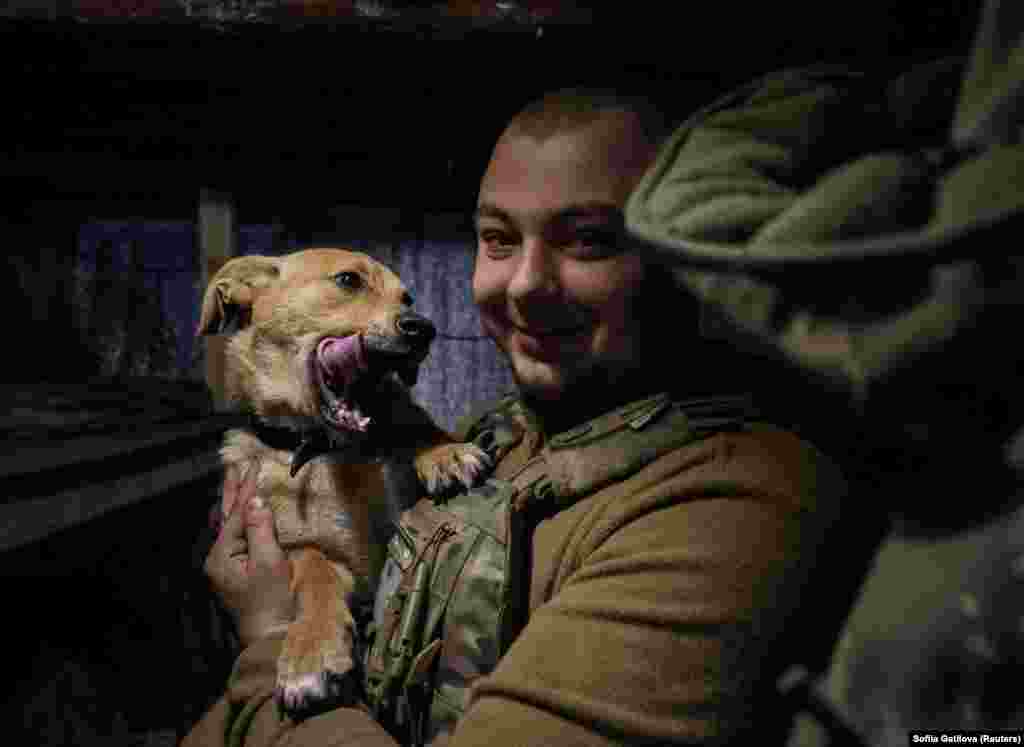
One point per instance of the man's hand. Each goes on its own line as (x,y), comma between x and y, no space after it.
(248,569)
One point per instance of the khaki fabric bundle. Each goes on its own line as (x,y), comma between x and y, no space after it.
(865,229)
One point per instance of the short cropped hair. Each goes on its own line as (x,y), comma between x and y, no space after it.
(568,109)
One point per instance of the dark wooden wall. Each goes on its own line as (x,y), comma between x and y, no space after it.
(122,119)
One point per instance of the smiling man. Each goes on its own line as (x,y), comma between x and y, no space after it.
(647,558)
(554,284)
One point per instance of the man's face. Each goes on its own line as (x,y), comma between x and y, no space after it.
(553,284)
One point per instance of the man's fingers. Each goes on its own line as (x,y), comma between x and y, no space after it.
(248,538)
(264,549)
(234,519)
(239,484)
(232,532)
(229,492)
(249,482)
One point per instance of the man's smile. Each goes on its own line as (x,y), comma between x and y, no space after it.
(548,343)
(549,333)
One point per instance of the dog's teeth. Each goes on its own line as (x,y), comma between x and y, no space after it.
(351,417)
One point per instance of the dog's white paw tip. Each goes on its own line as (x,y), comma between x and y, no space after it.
(468,474)
(463,466)
(475,464)
(306,695)
(293,691)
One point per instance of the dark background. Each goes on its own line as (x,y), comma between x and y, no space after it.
(120,117)
(117,114)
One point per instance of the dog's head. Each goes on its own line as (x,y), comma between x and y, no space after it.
(316,336)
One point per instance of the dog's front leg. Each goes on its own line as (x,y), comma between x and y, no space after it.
(442,463)
(315,668)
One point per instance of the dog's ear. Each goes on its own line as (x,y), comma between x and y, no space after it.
(228,301)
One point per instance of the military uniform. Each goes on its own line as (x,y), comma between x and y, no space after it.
(644,577)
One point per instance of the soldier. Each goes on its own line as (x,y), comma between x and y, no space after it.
(648,557)
(866,230)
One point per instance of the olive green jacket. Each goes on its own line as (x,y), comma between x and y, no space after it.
(663,607)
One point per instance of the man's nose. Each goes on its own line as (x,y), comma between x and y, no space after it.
(537,271)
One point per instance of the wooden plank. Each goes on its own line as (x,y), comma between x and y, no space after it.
(28,458)
(78,451)
(25,522)
(217,244)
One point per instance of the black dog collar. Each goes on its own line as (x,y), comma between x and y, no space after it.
(275,436)
(305,445)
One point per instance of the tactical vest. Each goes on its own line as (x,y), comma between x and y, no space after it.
(455,589)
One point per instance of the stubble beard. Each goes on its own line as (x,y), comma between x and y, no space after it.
(567,399)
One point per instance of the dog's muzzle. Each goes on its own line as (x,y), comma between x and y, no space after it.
(341,366)
(415,329)
(404,351)
(346,371)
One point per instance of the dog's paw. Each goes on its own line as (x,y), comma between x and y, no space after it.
(315,672)
(313,694)
(448,467)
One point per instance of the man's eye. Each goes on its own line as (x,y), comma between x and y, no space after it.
(595,244)
(348,280)
(497,242)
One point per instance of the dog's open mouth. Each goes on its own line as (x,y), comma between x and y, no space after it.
(338,365)
(351,374)
(347,371)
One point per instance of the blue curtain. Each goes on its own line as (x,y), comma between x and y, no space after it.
(464,367)
(134,284)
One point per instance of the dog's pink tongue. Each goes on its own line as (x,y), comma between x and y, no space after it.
(342,358)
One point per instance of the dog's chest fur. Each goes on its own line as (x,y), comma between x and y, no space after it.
(335,506)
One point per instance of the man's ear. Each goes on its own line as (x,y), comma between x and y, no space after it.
(227,304)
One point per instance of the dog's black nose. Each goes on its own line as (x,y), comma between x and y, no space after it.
(416,328)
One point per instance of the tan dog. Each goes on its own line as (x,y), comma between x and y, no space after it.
(324,347)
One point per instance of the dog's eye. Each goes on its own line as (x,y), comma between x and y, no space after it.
(407,299)
(349,280)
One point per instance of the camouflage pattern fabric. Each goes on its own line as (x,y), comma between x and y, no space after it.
(452,595)
(463,546)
